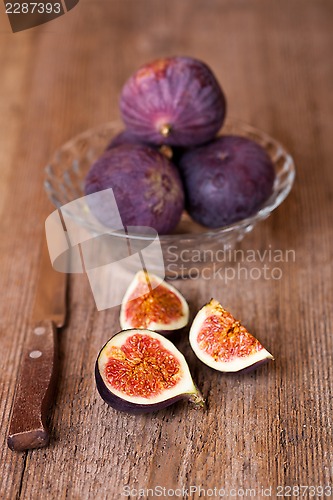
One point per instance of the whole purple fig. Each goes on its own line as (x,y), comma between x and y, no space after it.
(146,186)
(175,101)
(226,180)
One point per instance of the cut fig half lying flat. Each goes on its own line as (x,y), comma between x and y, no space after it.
(221,342)
(140,371)
(151,303)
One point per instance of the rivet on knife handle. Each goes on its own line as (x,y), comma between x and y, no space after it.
(35,389)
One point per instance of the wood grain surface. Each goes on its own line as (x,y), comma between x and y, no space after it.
(272,427)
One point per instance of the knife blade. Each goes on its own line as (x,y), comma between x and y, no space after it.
(36,385)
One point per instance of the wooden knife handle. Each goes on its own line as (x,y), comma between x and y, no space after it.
(35,389)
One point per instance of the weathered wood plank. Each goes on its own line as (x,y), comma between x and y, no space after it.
(272,427)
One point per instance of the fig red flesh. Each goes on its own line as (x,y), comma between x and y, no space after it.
(140,371)
(154,304)
(221,342)
(142,367)
(224,338)
(159,305)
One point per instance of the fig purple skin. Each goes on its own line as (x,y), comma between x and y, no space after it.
(146,185)
(125,137)
(175,101)
(253,367)
(226,180)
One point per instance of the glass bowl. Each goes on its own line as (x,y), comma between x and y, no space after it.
(192,247)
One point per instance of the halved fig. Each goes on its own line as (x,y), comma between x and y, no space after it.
(139,371)
(151,303)
(221,342)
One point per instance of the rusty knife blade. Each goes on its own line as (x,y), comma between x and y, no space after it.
(50,300)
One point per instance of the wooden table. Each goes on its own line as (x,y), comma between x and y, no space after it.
(269,428)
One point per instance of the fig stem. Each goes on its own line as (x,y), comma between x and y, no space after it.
(197,399)
(165,129)
(166,151)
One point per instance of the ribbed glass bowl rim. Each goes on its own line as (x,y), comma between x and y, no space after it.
(244,129)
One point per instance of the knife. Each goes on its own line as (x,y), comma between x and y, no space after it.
(36,385)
